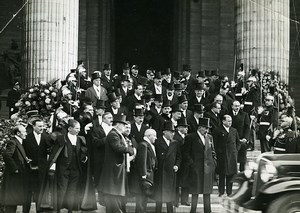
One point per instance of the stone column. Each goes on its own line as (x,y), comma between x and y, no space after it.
(50,39)
(263,29)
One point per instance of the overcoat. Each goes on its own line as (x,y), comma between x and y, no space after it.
(165,176)
(138,135)
(226,145)
(114,175)
(15,185)
(91,93)
(201,160)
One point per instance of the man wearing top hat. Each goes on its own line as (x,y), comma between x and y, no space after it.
(182,175)
(200,158)
(114,174)
(191,81)
(106,78)
(135,74)
(98,140)
(155,110)
(183,104)
(176,114)
(199,96)
(178,89)
(200,76)
(96,92)
(167,77)
(214,115)
(124,90)
(115,107)
(169,158)
(125,71)
(163,117)
(12,98)
(157,88)
(138,127)
(132,100)
(170,94)
(194,121)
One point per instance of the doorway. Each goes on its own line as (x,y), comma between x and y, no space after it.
(143,33)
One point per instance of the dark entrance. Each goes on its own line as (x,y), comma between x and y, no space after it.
(143,30)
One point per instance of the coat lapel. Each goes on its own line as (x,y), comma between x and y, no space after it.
(21,149)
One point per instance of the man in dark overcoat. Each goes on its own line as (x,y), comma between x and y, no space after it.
(15,178)
(168,157)
(201,159)
(114,173)
(37,147)
(227,142)
(12,98)
(67,165)
(146,163)
(241,122)
(138,127)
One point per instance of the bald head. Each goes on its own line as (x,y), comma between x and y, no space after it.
(151,135)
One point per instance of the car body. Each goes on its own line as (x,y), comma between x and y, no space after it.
(272,184)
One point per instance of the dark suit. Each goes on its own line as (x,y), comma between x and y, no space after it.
(138,135)
(146,164)
(241,123)
(38,153)
(152,88)
(12,98)
(227,146)
(121,111)
(194,100)
(158,122)
(165,177)
(200,158)
(15,179)
(173,101)
(114,175)
(193,125)
(191,86)
(215,121)
(106,83)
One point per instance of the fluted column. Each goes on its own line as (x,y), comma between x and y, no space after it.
(263,29)
(50,40)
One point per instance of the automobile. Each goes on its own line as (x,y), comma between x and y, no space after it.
(270,185)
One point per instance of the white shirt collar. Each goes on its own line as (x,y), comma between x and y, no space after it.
(37,137)
(115,111)
(151,145)
(138,126)
(137,97)
(226,128)
(199,98)
(202,137)
(106,128)
(158,89)
(182,135)
(72,138)
(158,110)
(166,140)
(19,139)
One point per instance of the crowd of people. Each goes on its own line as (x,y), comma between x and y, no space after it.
(162,136)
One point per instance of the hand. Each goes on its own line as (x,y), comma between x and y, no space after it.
(276,133)
(175,168)
(244,140)
(134,151)
(252,117)
(244,90)
(260,109)
(88,127)
(268,137)
(144,177)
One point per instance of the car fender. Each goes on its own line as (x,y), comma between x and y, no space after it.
(281,185)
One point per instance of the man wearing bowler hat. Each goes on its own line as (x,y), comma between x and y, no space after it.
(200,158)
(168,157)
(180,133)
(106,78)
(114,174)
(96,92)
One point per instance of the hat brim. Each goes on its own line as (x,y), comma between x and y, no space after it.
(205,126)
(122,122)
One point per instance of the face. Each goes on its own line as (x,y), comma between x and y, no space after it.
(124,83)
(97,82)
(108,119)
(249,83)
(107,72)
(178,92)
(126,71)
(169,134)
(150,75)
(219,99)
(185,73)
(152,137)
(203,130)
(22,132)
(236,106)
(170,92)
(38,127)
(99,111)
(184,105)
(134,71)
(89,109)
(166,110)
(177,115)
(183,129)
(127,130)
(83,74)
(199,93)
(121,127)
(139,119)
(139,90)
(116,104)
(227,122)
(158,82)
(158,104)
(217,109)
(74,130)
(269,101)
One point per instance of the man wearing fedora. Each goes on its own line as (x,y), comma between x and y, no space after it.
(114,173)
(169,158)
(146,166)
(96,92)
(115,107)
(138,127)
(227,142)
(182,175)
(200,158)
(194,121)
(106,78)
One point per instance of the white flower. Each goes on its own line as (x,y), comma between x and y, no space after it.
(53,94)
(27,103)
(46,91)
(43,83)
(42,94)
(31,90)
(51,88)
(48,100)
